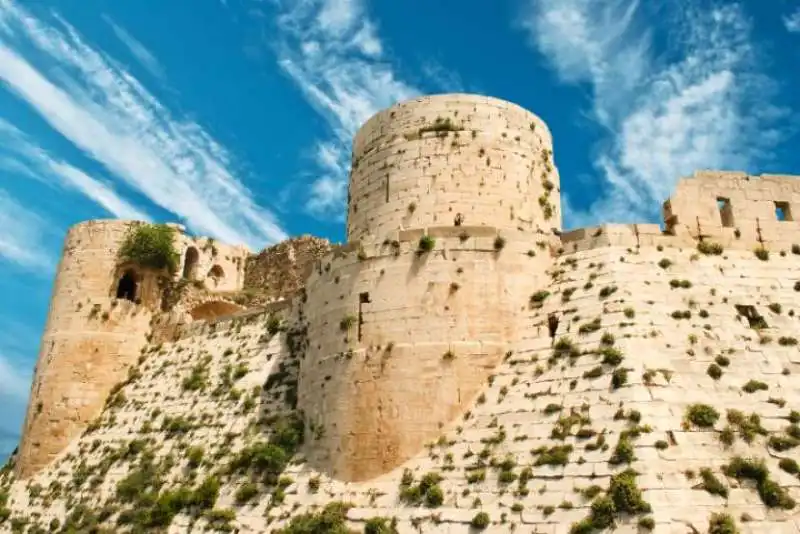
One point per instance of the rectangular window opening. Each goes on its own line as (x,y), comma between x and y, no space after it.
(783,212)
(363,298)
(725,212)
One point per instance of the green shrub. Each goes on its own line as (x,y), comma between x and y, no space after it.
(772,495)
(709,248)
(611,356)
(556,455)
(480,521)
(647,523)
(330,520)
(380,525)
(754,385)
(246,492)
(712,484)
(624,498)
(789,465)
(722,524)
(152,246)
(619,378)
(426,244)
(623,452)
(702,415)
(714,371)
(427,491)
(761,253)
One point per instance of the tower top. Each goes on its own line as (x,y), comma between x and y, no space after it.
(452,159)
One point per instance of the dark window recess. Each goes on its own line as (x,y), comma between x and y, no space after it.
(783,212)
(753,318)
(725,211)
(552,325)
(387,189)
(126,288)
(363,298)
(190,263)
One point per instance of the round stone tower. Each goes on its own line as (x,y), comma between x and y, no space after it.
(428,161)
(453,199)
(96,327)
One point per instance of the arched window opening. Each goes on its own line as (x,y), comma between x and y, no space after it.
(216,273)
(190,263)
(127,286)
(215,276)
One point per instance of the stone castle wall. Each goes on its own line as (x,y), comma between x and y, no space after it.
(502,342)
(90,340)
(281,270)
(485,455)
(425,161)
(736,209)
(401,342)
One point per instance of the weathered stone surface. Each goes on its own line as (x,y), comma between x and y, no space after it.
(521,367)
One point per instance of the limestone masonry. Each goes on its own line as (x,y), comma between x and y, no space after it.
(459,365)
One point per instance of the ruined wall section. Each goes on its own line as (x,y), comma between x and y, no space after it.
(737,210)
(281,270)
(422,162)
(401,342)
(217,266)
(90,340)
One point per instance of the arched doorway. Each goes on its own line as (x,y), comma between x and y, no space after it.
(127,286)
(190,263)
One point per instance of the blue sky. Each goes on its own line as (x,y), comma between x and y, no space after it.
(235,116)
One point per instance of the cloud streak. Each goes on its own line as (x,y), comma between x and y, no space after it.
(137,49)
(664,119)
(28,160)
(21,235)
(113,119)
(332,52)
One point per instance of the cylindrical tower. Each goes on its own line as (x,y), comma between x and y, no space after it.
(428,161)
(96,327)
(453,201)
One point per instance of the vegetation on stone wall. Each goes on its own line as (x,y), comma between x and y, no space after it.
(151,246)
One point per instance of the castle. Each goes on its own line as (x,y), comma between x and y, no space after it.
(459,335)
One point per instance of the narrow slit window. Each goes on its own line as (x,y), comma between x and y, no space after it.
(363,298)
(725,211)
(783,212)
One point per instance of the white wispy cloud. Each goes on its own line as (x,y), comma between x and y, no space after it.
(137,49)
(21,233)
(792,21)
(331,50)
(14,382)
(19,154)
(664,119)
(114,119)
